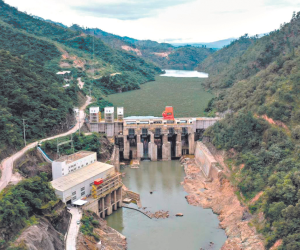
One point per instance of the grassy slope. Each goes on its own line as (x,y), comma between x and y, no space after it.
(186,95)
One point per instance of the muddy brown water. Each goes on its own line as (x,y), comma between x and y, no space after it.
(197,229)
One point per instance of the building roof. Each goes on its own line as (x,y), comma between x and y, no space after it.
(79,202)
(74,157)
(68,181)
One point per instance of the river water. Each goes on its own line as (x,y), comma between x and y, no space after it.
(196,229)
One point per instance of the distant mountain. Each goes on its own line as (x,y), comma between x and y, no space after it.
(164,55)
(215,45)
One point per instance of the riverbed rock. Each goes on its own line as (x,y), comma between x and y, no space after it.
(41,236)
(220,196)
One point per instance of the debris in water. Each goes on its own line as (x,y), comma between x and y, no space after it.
(127,200)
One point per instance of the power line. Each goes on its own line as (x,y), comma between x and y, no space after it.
(24,131)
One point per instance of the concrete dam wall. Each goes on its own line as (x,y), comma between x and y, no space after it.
(206,161)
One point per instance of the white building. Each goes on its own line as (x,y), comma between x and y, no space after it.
(70,163)
(95,115)
(120,113)
(109,114)
(78,184)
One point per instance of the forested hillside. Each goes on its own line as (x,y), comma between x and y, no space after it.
(164,55)
(261,85)
(224,65)
(32,52)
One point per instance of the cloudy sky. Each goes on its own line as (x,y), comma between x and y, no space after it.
(167,20)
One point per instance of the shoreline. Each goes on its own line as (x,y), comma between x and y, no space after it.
(219,195)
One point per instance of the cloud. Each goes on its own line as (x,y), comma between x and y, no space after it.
(230,12)
(129,10)
(282,3)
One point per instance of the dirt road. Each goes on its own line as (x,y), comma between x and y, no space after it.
(7,164)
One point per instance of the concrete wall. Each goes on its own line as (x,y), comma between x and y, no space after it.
(206,161)
(115,158)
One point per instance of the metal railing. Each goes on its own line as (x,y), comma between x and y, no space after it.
(108,185)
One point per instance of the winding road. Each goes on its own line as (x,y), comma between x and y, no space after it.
(7,164)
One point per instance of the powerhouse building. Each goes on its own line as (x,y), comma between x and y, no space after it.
(78,184)
(70,163)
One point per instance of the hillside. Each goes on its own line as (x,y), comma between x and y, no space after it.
(32,52)
(164,55)
(262,137)
(224,66)
(31,216)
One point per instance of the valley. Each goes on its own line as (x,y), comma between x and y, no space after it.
(220,169)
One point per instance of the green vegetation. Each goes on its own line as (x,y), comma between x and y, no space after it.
(225,65)
(271,164)
(186,95)
(186,57)
(88,224)
(257,77)
(82,142)
(28,91)
(31,54)
(20,203)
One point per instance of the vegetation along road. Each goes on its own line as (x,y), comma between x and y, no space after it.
(7,164)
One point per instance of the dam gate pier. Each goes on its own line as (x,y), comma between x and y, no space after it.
(151,138)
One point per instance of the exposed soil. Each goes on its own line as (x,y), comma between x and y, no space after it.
(77,62)
(32,164)
(219,195)
(163,54)
(128,48)
(274,122)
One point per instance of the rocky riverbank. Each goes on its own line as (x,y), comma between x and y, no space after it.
(219,195)
(110,238)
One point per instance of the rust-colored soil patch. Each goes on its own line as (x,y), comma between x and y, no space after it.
(163,54)
(277,244)
(128,48)
(277,123)
(77,62)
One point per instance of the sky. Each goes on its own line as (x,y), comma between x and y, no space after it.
(180,21)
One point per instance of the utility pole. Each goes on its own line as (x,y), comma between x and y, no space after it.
(79,124)
(24,131)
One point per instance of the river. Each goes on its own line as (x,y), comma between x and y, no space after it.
(195,230)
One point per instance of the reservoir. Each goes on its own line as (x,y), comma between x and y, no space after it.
(195,230)
(184,73)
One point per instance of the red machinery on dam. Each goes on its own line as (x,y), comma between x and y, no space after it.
(150,137)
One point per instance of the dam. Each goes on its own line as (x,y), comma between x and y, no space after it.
(149,137)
